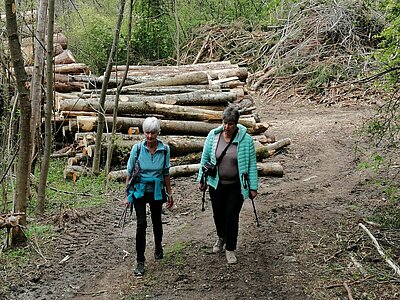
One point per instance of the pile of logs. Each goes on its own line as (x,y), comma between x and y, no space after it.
(196,94)
(68,73)
(188,99)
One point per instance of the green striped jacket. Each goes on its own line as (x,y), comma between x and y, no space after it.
(246,156)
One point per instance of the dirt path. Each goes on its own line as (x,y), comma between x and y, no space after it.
(284,258)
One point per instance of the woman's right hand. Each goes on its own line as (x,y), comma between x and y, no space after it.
(126,201)
(202,187)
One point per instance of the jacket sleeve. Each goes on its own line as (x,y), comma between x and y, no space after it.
(206,154)
(131,160)
(253,173)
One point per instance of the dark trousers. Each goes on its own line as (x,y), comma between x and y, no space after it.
(141,223)
(227,201)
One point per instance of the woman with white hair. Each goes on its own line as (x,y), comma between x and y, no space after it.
(152,186)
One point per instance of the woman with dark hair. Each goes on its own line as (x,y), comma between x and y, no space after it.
(154,162)
(229,169)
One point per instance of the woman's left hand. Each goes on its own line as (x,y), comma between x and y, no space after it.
(170,202)
(253,194)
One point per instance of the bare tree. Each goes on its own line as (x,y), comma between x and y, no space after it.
(110,148)
(44,170)
(24,159)
(37,74)
(100,122)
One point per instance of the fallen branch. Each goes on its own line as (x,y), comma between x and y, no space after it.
(392,264)
(346,286)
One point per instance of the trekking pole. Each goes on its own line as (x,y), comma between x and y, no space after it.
(122,219)
(203,200)
(246,177)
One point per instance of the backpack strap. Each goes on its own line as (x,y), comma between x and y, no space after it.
(137,155)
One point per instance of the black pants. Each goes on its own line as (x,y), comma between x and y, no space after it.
(141,223)
(227,201)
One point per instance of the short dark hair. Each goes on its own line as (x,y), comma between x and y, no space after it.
(231,114)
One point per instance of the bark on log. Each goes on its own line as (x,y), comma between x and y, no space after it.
(264,169)
(74,172)
(163,90)
(64,57)
(187,99)
(178,69)
(123,124)
(267,151)
(67,87)
(197,77)
(76,68)
(180,145)
(181,79)
(168,111)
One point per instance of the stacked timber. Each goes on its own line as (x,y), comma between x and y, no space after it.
(189,101)
(67,72)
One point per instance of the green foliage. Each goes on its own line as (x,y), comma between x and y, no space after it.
(90,29)
(381,135)
(323,74)
(87,191)
(175,254)
(388,217)
(389,48)
(15,258)
(91,41)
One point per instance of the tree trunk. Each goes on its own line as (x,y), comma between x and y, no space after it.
(24,160)
(110,148)
(37,76)
(48,113)
(100,125)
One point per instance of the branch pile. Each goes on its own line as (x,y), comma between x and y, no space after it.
(310,49)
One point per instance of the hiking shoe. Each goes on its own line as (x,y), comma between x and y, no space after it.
(219,244)
(231,257)
(159,253)
(139,270)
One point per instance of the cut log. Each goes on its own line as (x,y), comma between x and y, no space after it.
(179,69)
(264,169)
(187,99)
(74,172)
(163,90)
(179,145)
(67,87)
(182,79)
(270,169)
(267,151)
(197,77)
(76,68)
(168,111)
(64,57)
(123,124)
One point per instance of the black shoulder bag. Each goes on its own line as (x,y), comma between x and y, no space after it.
(209,169)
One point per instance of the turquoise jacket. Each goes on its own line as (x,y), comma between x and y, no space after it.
(246,156)
(152,170)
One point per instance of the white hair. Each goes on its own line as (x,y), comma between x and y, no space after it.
(151,124)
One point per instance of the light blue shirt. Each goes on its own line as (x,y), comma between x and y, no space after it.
(152,170)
